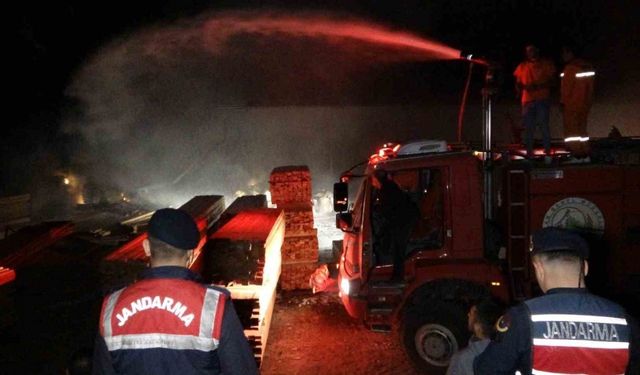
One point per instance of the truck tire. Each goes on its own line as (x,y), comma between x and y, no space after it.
(432,333)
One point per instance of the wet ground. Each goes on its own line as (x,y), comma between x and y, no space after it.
(312,334)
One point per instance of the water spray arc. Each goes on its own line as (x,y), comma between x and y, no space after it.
(222,27)
(200,73)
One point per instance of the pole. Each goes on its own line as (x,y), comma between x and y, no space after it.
(487,93)
(463,103)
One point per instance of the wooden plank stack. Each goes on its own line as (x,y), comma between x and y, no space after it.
(290,188)
(121,267)
(15,213)
(244,257)
(7,291)
(20,251)
(240,204)
(7,275)
(29,244)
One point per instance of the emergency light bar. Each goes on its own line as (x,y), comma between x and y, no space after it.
(423,147)
(391,150)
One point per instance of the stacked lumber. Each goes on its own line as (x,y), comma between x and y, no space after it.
(297,274)
(15,212)
(290,185)
(7,275)
(298,219)
(121,267)
(290,189)
(244,257)
(300,248)
(21,250)
(7,291)
(240,204)
(29,243)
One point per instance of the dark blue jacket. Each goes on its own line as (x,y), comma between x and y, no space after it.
(512,349)
(191,328)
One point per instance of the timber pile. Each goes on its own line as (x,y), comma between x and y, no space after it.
(121,267)
(290,189)
(7,290)
(300,248)
(239,204)
(7,275)
(290,185)
(15,212)
(299,219)
(244,257)
(29,243)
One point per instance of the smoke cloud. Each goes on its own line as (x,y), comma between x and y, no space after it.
(210,105)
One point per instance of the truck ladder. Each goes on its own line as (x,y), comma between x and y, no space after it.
(518,233)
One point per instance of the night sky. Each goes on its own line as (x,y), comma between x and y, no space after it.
(50,43)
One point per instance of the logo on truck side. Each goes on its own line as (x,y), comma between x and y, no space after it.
(575,213)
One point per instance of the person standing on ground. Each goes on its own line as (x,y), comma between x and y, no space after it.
(576,97)
(168,322)
(481,322)
(567,330)
(534,78)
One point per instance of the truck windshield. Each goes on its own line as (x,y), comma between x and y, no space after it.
(408,207)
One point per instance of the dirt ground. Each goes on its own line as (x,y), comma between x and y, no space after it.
(313,334)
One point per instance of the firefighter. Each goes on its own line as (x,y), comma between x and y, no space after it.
(168,322)
(567,330)
(394,216)
(533,79)
(576,96)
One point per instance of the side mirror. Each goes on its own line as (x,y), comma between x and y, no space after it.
(340,197)
(344,221)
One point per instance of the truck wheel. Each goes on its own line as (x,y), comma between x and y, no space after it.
(432,334)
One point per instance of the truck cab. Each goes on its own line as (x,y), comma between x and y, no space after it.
(445,262)
(457,253)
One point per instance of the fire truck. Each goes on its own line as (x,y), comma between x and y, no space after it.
(478,210)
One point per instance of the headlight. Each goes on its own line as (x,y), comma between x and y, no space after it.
(345,287)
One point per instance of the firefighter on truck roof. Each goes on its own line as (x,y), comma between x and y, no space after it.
(576,97)
(567,330)
(168,322)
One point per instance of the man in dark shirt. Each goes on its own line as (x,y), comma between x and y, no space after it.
(395,216)
(168,322)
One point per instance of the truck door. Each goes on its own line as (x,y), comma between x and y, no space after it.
(355,246)
(426,191)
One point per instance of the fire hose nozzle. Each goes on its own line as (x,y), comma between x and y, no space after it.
(474,58)
(466,55)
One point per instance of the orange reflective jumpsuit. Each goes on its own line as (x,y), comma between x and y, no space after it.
(576,96)
(534,78)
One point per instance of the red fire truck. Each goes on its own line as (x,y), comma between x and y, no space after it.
(477,213)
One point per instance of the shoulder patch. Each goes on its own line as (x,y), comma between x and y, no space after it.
(502,325)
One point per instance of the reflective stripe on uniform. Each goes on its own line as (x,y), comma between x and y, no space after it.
(161,341)
(576,139)
(538,372)
(108,312)
(577,318)
(581,75)
(585,74)
(581,343)
(204,341)
(572,139)
(208,314)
